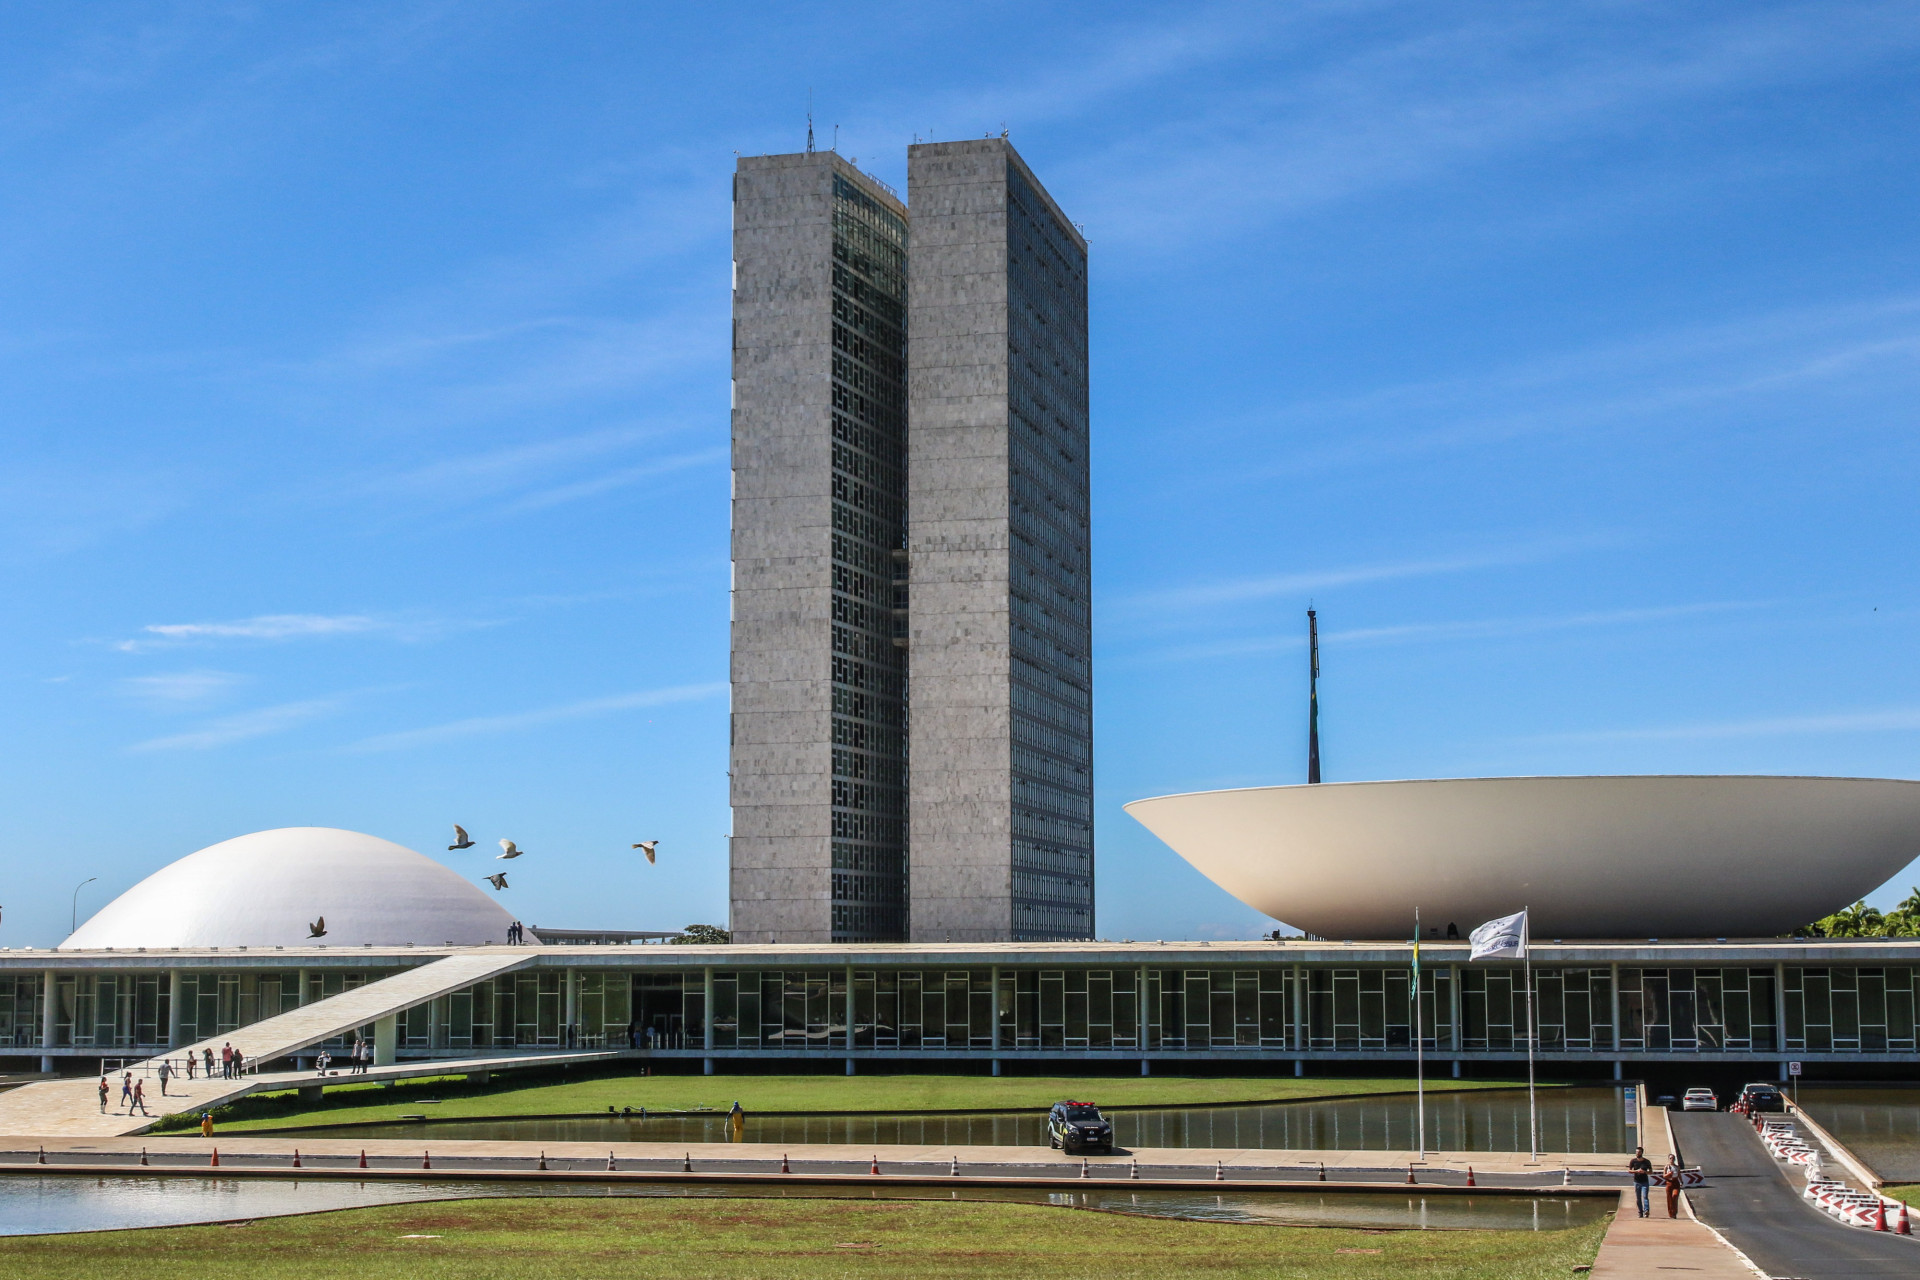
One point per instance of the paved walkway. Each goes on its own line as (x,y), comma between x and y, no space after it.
(73,1106)
(1637,1248)
(1755,1203)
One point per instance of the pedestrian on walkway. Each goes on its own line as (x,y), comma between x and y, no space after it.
(226,1061)
(164,1072)
(1670,1178)
(207,1052)
(106,1091)
(139,1097)
(1642,1170)
(322,1061)
(126,1091)
(189,1064)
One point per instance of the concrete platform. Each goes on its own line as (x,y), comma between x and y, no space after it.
(1636,1248)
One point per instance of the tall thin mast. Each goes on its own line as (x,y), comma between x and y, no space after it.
(1313,696)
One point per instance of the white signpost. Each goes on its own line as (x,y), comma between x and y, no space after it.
(1793,1073)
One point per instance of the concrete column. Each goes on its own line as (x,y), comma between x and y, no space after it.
(1780,1010)
(996,1017)
(706,1010)
(1613,984)
(571,999)
(1146,1066)
(1299,1009)
(50,990)
(706,1066)
(996,1066)
(174,985)
(1619,1069)
(849,1066)
(1299,1066)
(1456,1068)
(386,1040)
(1145,1019)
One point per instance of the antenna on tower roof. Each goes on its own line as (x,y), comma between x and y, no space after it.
(1313,696)
(809,121)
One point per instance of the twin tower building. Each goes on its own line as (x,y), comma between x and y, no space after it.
(912,737)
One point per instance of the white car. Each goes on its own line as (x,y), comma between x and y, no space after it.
(1699,1100)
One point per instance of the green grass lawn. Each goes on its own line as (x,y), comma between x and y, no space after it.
(359,1103)
(1910,1193)
(543,1239)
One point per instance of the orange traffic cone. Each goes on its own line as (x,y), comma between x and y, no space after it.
(611,1167)
(363,1157)
(296,1157)
(426,1160)
(1906,1224)
(543,1162)
(1086,1169)
(1880,1216)
(215,1162)
(1134,1171)
(1323,1171)
(954,1172)
(1470,1181)
(784,1166)
(1219,1171)
(876,1163)
(1410,1181)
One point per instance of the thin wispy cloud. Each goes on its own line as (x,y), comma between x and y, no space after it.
(477,726)
(1681,377)
(1886,720)
(178,687)
(622,478)
(1441,632)
(1247,590)
(245,726)
(280,627)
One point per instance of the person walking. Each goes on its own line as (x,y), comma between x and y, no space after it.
(139,1097)
(164,1072)
(189,1064)
(207,1053)
(106,1091)
(1671,1180)
(1642,1170)
(126,1091)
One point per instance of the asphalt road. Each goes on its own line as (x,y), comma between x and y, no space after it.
(1749,1198)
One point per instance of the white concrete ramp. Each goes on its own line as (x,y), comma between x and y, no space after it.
(72,1107)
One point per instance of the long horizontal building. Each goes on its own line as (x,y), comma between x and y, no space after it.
(1603,1008)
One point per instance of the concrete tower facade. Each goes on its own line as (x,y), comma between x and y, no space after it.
(999,660)
(818,747)
(951,470)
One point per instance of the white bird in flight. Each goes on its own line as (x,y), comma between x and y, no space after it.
(646,847)
(512,850)
(498,879)
(460,838)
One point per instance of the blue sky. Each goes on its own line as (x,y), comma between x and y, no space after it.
(363,396)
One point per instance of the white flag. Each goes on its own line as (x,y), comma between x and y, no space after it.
(1502,939)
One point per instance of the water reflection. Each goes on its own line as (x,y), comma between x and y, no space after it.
(32,1204)
(1880,1125)
(1571,1120)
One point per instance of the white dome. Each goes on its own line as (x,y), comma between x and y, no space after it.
(261,890)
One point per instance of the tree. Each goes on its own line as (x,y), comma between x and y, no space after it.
(703,935)
(1856,921)
(1904,920)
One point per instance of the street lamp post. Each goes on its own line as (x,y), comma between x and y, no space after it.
(76,902)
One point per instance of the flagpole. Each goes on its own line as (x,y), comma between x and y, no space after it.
(1419,1040)
(1533,1109)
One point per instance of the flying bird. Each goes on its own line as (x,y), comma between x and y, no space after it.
(318,929)
(460,836)
(498,879)
(646,847)
(512,850)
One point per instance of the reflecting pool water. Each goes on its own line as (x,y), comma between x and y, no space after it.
(33,1204)
(1880,1125)
(1586,1120)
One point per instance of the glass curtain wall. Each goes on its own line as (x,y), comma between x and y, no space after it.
(869,569)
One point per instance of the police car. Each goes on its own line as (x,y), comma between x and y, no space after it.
(1078,1126)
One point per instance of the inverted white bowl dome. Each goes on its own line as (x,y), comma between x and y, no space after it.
(1594,857)
(262,890)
